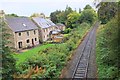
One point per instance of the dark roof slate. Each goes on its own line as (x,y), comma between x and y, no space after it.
(18,24)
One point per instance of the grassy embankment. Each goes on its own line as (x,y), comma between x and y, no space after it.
(107,50)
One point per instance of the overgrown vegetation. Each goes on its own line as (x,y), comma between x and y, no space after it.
(72,18)
(108,43)
(49,62)
(107,50)
(106,11)
(8,61)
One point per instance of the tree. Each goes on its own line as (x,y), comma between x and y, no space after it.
(53,16)
(87,7)
(88,15)
(60,16)
(14,15)
(8,62)
(106,11)
(72,19)
(38,15)
(80,10)
(68,10)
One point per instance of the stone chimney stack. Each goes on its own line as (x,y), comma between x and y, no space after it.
(2,14)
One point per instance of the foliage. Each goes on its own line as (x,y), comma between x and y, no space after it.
(72,19)
(106,11)
(14,15)
(8,62)
(53,16)
(107,50)
(88,16)
(87,7)
(80,10)
(108,45)
(38,15)
(52,59)
(60,16)
(21,57)
(67,30)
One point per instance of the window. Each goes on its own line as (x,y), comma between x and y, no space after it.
(34,32)
(27,33)
(19,34)
(47,35)
(44,36)
(28,41)
(47,30)
(44,30)
(35,39)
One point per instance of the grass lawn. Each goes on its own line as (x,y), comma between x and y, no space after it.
(21,57)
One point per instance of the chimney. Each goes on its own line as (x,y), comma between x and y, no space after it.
(2,14)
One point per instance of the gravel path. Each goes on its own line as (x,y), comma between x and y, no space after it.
(67,72)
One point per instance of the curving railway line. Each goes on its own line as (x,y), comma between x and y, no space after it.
(81,68)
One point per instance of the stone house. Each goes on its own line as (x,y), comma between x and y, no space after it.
(24,32)
(60,26)
(45,27)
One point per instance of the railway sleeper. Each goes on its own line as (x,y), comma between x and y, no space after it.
(82,75)
(82,69)
(83,61)
(80,72)
(78,78)
(82,65)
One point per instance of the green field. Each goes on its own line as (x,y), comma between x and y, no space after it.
(21,57)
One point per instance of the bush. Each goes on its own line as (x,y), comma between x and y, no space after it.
(107,49)
(66,31)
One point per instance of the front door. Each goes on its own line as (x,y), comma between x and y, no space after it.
(32,42)
(20,44)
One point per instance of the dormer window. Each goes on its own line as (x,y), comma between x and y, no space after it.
(24,24)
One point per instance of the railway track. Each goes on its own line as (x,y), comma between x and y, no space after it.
(81,68)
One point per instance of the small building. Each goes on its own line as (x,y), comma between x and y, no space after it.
(24,32)
(60,26)
(45,27)
(56,36)
(58,39)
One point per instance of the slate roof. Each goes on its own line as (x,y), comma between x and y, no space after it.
(18,24)
(59,24)
(56,31)
(43,23)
